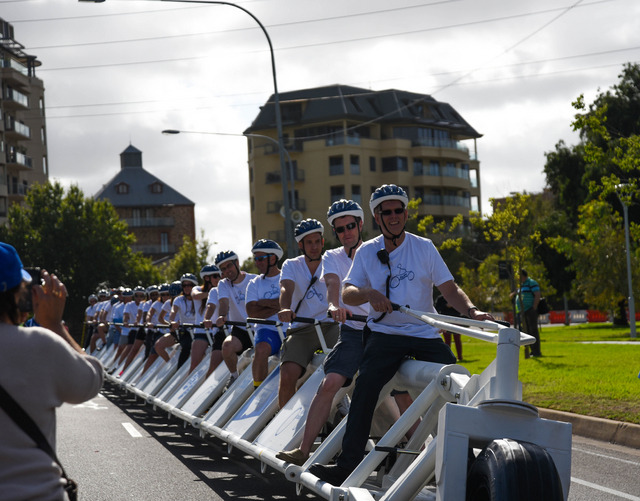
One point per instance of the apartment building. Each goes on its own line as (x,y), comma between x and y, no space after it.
(346,141)
(23,145)
(156,213)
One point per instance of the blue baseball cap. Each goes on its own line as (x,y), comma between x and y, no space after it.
(11,270)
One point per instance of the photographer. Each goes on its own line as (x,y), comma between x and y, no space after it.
(41,368)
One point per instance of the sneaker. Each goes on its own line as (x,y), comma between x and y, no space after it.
(295,456)
(330,473)
(230,381)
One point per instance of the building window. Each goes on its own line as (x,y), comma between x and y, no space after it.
(122,188)
(372,164)
(434,168)
(164,242)
(135,215)
(450,170)
(156,187)
(337,193)
(418,167)
(45,169)
(354,165)
(253,203)
(391,164)
(251,174)
(336,166)
(356,195)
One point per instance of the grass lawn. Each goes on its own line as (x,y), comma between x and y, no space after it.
(578,372)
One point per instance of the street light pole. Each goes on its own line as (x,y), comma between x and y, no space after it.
(292,249)
(632,306)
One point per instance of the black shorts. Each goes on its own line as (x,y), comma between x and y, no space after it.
(141,334)
(243,337)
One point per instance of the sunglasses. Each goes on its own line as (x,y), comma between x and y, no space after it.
(388,212)
(341,229)
(257,259)
(187,285)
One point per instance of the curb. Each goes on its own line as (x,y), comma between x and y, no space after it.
(605,430)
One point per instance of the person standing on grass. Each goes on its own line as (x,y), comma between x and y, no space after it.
(528,297)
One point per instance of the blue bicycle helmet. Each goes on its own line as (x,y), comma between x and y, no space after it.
(268,247)
(139,289)
(126,292)
(307,227)
(225,256)
(343,208)
(387,192)
(152,288)
(210,269)
(164,288)
(189,277)
(175,289)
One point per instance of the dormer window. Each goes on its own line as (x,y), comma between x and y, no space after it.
(122,188)
(156,187)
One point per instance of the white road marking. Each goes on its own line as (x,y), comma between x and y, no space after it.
(623,495)
(634,463)
(90,405)
(135,433)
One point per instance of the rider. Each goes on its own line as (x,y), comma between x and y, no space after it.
(391,336)
(303,293)
(231,306)
(263,301)
(183,312)
(346,218)
(211,275)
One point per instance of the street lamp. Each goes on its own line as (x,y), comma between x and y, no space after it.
(632,307)
(291,247)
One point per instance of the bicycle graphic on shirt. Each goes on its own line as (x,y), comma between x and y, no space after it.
(313,292)
(273,293)
(403,274)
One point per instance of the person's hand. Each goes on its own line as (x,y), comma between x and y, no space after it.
(174,326)
(208,323)
(379,302)
(338,314)
(48,301)
(286,315)
(221,320)
(480,315)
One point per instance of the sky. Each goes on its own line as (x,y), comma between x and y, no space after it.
(119,72)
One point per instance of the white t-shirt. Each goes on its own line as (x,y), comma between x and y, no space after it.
(416,266)
(314,300)
(186,310)
(236,294)
(200,311)
(155,312)
(131,308)
(166,307)
(264,288)
(114,314)
(336,262)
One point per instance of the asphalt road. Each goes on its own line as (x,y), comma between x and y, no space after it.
(118,449)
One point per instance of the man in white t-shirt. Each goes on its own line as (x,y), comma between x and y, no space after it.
(303,294)
(347,218)
(263,301)
(402,268)
(231,306)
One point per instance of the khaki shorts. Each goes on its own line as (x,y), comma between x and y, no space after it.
(301,343)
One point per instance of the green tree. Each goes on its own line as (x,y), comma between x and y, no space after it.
(190,258)
(80,239)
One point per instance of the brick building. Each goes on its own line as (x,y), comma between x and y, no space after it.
(157,214)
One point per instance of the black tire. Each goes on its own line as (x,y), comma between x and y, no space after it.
(507,470)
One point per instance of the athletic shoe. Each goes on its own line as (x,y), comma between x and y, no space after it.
(230,381)
(332,474)
(295,456)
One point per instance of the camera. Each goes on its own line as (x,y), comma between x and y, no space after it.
(25,304)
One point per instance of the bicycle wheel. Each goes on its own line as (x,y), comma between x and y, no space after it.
(507,470)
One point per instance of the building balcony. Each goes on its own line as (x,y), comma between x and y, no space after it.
(19,160)
(339,140)
(275,177)
(14,100)
(274,207)
(154,249)
(150,222)
(15,129)
(17,191)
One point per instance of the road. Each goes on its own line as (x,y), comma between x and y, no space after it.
(118,449)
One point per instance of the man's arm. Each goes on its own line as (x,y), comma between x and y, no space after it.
(263,308)
(223,311)
(457,298)
(287,288)
(355,296)
(339,314)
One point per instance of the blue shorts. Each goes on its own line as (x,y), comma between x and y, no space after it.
(123,340)
(270,336)
(346,355)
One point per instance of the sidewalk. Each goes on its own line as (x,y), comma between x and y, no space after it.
(606,430)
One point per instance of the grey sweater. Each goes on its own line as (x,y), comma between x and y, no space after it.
(41,372)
